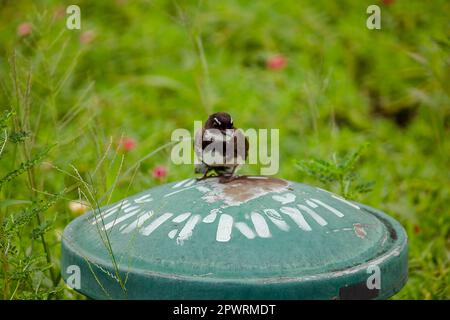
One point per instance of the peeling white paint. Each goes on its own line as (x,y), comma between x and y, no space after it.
(311,204)
(339,230)
(313,215)
(189,183)
(144,199)
(120,219)
(203,189)
(297,217)
(105,214)
(178,191)
(334,210)
(346,202)
(284,198)
(276,218)
(224,228)
(179,184)
(326,191)
(211,217)
(187,230)
(260,224)
(245,230)
(156,223)
(129,209)
(138,222)
(250,224)
(180,218)
(172,233)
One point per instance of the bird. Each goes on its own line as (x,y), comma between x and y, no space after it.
(220,147)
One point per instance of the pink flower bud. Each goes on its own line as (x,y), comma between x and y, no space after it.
(87,37)
(159,172)
(59,13)
(128,143)
(387,2)
(24,29)
(276,62)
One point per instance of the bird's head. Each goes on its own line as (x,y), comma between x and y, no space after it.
(220,121)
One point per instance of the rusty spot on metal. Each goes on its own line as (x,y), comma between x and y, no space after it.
(243,189)
(392,232)
(359,230)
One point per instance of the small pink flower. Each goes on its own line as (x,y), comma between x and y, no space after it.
(87,37)
(417,229)
(276,62)
(159,172)
(59,12)
(78,207)
(24,29)
(128,143)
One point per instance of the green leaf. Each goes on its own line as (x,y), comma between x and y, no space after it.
(12,202)
(24,166)
(41,229)
(5,118)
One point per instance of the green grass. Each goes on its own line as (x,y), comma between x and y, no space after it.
(154,66)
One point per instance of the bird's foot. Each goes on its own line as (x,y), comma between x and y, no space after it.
(227,179)
(205,176)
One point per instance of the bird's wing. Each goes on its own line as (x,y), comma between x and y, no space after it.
(201,168)
(241,145)
(198,146)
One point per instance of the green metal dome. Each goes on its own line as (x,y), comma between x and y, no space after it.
(251,238)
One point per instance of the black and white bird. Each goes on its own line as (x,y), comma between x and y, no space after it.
(220,147)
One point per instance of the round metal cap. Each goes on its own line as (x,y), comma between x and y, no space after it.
(251,238)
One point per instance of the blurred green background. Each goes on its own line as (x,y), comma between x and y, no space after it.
(107,98)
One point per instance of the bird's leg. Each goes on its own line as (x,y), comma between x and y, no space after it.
(232,172)
(205,176)
(228,178)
